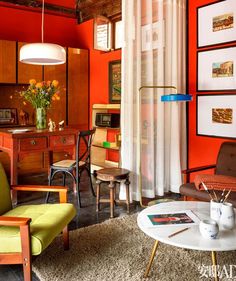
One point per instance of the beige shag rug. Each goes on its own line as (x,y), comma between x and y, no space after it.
(117,250)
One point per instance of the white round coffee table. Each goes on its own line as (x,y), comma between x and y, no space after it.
(189,239)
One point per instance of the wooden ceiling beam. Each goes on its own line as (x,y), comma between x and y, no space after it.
(88,9)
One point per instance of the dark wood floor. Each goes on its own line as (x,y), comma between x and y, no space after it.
(85,216)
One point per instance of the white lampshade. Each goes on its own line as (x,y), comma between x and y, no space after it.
(42,54)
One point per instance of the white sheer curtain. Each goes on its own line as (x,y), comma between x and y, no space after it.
(153,54)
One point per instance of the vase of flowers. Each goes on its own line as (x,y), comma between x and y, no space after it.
(40,95)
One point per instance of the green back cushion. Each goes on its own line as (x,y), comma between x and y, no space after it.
(5,195)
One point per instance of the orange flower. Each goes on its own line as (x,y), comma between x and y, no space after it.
(32,81)
(55,83)
(39,85)
(48,83)
(56,97)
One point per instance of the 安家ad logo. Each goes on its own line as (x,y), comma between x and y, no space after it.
(222,271)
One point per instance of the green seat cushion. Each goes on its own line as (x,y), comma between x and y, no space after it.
(48,220)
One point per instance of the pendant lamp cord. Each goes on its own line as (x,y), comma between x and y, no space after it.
(42,26)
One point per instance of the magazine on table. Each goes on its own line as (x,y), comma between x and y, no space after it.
(185,218)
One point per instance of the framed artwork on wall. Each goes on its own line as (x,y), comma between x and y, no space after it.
(216,115)
(216,69)
(216,23)
(102,33)
(115,81)
(8,116)
(153,36)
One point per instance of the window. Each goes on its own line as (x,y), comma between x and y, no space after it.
(102,33)
(108,34)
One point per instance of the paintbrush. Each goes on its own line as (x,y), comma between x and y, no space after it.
(227,195)
(222,196)
(215,195)
(207,191)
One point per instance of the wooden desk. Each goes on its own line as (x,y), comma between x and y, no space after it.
(18,144)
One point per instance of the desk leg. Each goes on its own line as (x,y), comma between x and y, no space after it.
(14,162)
(154,249)
(214,263)
(14,176)
(50,159)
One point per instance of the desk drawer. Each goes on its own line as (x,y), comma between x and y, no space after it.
(57,141)
(33,144)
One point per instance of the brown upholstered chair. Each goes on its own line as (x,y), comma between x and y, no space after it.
(225,165)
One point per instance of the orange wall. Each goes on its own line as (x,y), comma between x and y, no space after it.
(25,26)
(99,61)
(202,150)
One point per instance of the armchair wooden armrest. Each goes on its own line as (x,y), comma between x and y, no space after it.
(187,172)
(45,188)
(23,257)
(14,221)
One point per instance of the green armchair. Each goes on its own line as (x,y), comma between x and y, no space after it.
(28,229)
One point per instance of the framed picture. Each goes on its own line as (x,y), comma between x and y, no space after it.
(102,33)
(115,81)
(216,23)
(8,116)
(152,36)
(216,69)
(216,115)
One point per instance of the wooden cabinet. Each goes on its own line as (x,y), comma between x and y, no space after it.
(28,71)
(100,153)
(78,98)
(57,111)
(7,61)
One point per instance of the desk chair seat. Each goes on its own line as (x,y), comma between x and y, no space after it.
(74,168)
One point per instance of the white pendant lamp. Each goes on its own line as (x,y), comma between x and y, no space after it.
(42,53)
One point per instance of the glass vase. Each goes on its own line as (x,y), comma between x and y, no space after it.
(41,118)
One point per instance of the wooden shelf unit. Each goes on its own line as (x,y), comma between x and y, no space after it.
(98,151)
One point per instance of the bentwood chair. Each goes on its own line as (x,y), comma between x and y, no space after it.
(29,229)
(74,168)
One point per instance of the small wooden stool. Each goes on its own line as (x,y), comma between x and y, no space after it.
(112,175)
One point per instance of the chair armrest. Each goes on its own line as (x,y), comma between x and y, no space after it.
(14,221)
(196,169)
(187,172)
(45,188)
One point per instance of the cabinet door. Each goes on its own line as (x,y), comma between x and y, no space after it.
(28,71)
(7,61)
(57,111)
(78,99)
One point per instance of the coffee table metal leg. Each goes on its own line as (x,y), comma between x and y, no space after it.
(214,263)
(154,249)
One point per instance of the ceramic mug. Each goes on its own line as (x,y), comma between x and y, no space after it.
(215,210)
(209,229)
(227,219)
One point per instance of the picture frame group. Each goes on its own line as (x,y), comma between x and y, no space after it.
(216,61)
